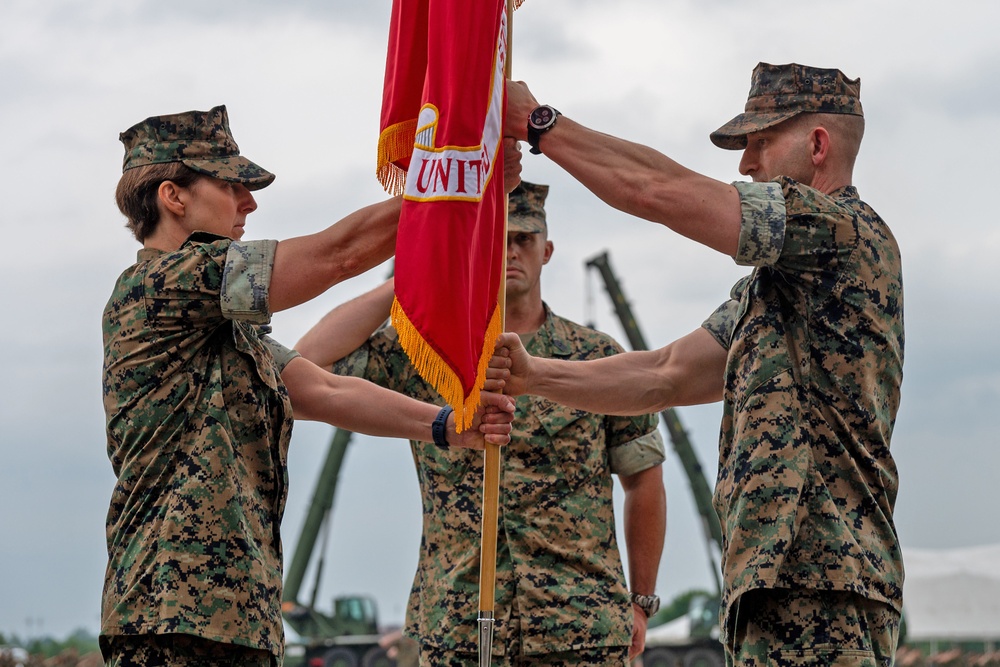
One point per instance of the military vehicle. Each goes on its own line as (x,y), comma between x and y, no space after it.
(692,640)
(349,635)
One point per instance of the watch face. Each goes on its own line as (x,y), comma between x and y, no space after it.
(542,117)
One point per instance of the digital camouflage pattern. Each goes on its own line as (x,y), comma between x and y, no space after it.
(526,208)
(556,545)
(806,483)
(834,629)
(177,649)
(592,657)
(779,92)
(200,140)
(198,425)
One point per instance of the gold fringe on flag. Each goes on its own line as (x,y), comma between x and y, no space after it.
(395,143)
(437,373)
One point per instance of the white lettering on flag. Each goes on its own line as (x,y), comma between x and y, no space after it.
(452,172)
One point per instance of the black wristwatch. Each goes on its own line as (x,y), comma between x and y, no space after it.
(541,120)
(649,604)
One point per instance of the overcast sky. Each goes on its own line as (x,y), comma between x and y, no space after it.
(302,80)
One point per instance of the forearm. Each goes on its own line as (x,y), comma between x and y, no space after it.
(346,327)
(355,404)
(307,266)
(645,513)
(689,371)
(634,178)
(647,184)
(358,405)
(624,384)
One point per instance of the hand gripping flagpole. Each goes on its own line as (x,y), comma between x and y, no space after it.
(491,456)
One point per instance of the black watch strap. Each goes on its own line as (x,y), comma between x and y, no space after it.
(541,120)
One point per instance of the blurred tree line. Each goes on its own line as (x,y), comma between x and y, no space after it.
(78,643)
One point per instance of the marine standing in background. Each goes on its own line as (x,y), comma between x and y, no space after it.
(561,593)
(806,355)
(199,399)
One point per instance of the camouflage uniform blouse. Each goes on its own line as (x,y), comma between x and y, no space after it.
(198,424)
(556,547)
(806,482)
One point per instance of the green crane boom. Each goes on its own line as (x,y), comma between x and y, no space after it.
(347,637)
(317,517)
(678,436)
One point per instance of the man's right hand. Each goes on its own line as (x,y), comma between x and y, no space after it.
(491,424)
(510,367)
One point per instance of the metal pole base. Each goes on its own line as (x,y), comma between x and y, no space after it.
(485,638)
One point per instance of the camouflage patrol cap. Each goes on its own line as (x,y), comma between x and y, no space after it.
(200,140)
(526,208)
(778,92)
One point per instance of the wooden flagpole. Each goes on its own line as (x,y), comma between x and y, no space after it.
(491,455)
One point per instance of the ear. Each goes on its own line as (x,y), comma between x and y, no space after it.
(548,252)
(819,142)
(170,197)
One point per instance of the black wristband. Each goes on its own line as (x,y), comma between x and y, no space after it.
(439,429)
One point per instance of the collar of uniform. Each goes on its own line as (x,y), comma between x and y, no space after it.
(146,254)
(846,192)
(550,339)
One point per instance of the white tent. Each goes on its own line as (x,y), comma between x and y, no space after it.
(677,631)
(952,594)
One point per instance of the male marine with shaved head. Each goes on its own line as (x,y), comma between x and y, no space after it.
(806,355)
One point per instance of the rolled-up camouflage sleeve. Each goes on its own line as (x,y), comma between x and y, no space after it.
(722,322)
(282,355)
(246,281)
(354,364)
(762,225)
(378,360)
(637,455)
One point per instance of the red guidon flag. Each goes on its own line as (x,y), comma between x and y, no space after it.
(440,145)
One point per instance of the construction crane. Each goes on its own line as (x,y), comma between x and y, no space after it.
(349,636)
(699,645)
